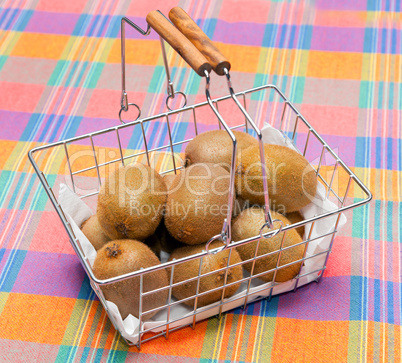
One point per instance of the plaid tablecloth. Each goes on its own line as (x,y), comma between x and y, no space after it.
(339,61)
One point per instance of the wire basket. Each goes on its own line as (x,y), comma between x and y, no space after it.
(74,169)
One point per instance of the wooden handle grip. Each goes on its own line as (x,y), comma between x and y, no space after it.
(191,30)
(178,42)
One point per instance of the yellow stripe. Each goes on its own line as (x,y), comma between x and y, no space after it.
(383,175)
(98,337)
(260,334)
(79,331)
(239,335)
(217,350)
(366,179)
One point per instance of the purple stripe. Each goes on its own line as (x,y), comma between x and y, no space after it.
(338,39)
(109,139)
(239,33)
(131,33)
(12,124)
(341,144)
(342,4)
(57,274)
(52,23)
(324,304)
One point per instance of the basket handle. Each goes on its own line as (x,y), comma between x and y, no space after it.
(178,42)
(221,66)
(195,35)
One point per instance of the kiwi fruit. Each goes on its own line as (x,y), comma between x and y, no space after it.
(216,147)
(210,262)
(93,231)
(131,202)
(247,225)
(295,217)
(292,182)
(168,179)
(124,256)
(239,205)
(197,204)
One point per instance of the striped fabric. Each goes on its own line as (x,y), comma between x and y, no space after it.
(339,61)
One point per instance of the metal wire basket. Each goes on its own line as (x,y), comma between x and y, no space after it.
(82,162)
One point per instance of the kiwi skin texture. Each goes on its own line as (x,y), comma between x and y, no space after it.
(124,256)
(295,217)
(292,182)
(248,225)
(210,262)
(197,203)
(240,205)
(131,202)
(93,231)
(168,179)
(216,147)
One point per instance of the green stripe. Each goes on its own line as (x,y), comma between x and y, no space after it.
(93,333)
(3,59)
(116,356)
(69,47)
(15,37)
(377,338)
(63,353)
(247,322)
(3,300)
(157,80)
(80,312)
(265,332)
(73,331)
(118,351)
(94,75)
(354,341)
(232,337)
(390,339)
(212,339)
(58,73)
(40,198)
(106,328)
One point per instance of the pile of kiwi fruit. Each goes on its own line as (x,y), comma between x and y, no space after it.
(141,213)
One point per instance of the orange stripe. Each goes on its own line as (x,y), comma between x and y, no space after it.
(338,65)
(225,339)
(37,45)
(251,339)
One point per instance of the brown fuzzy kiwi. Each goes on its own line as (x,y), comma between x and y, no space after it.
(248,225)
(210,262)
(93,231)
(295,217)
(239,205)
(292,182)
(197,203)
(124,256)
(131,202)
(168,179)
(216,147)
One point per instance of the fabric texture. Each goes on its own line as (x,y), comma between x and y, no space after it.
(338,61)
